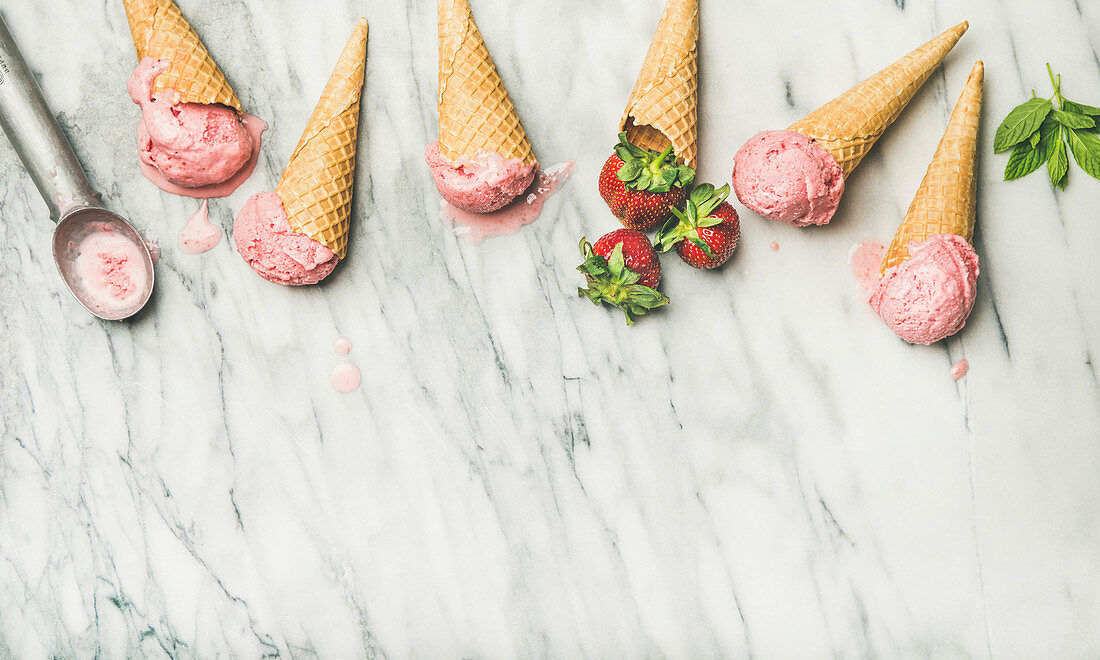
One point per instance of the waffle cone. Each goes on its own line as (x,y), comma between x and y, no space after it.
(160,31)
(946,202)
(849,125)
(662,109)
(316,186)
(475,112)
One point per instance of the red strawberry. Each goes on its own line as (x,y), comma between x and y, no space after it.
(706,231)
(622,269)
(640,185)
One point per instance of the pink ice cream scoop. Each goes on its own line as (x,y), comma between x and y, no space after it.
(483,184)
(279,254)
(111,268)
(929,296)
(786,176)
(190,146)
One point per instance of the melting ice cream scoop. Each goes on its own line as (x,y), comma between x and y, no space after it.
(101,257)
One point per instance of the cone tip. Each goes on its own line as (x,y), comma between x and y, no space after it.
(360,27)
(952,35)
(443,5)
(976,81)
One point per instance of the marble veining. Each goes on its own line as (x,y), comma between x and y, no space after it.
(760,470)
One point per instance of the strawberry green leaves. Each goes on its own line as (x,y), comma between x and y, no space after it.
(649,171)
(702,202)
(610,280)
(1039,131)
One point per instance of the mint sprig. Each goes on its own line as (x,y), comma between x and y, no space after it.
(649,171)
(1039,130)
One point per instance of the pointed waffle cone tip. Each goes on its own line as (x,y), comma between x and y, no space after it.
(316,186)
(662,109)
(475,112)
(849,125)
(160,31)
(946,202)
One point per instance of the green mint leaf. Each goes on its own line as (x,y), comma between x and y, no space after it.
(1085,147)
(1058,165)
(1024,120)
(1080,108)
(1035,137)
(1024,160)
(1073,119)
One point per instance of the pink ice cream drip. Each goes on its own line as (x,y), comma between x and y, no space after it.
(865,259)
(279,254)
(189,148)
(929,296)
(483,184)
(786,176)
(199,234)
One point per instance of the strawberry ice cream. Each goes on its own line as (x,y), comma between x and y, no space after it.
(112,270)
(190,148)
(786,176)
(929,296)
(278,253)
(483,184)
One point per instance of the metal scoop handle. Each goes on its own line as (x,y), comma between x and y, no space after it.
(36,136)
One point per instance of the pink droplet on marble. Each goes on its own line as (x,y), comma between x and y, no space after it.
(345,377)
(960,369)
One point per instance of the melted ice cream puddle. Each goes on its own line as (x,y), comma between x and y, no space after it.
(474,228)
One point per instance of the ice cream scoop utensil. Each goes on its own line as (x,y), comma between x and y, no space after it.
(49,158)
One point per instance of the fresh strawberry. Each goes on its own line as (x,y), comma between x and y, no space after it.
(622,269)
(640,185)
(706,231)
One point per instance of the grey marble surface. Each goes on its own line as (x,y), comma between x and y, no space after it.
(760,470)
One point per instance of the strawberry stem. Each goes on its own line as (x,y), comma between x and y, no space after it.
(657,164)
